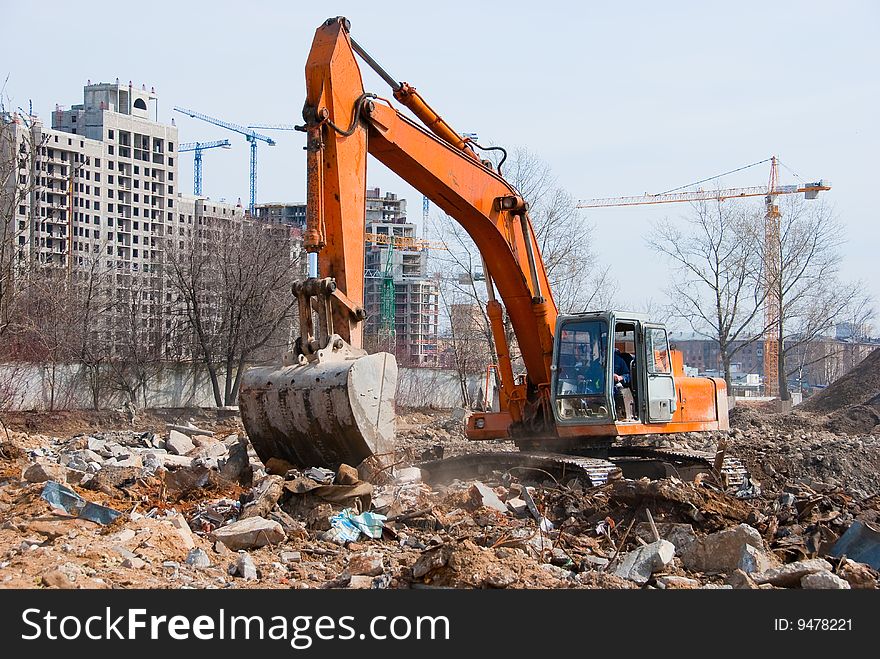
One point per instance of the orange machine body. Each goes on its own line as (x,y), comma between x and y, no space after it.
(343,125)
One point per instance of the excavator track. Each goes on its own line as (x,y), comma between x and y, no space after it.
(559,466)
(685,464)
(629,462)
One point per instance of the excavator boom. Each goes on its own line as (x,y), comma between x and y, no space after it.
(331,402)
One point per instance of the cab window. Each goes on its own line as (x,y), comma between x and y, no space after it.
(581,367)
(658,351)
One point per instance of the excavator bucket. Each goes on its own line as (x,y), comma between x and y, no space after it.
(322,413)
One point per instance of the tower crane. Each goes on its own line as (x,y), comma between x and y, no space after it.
(770,192)
(198,147)
(249,135)
(274,126)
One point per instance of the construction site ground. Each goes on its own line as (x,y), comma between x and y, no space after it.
(200,510)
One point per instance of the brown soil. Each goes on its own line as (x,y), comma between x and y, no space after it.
(860,386)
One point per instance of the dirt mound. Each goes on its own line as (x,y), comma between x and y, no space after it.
(861,386)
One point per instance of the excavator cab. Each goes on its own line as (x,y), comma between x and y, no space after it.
(611,368)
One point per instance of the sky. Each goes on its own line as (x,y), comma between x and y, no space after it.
(617,98)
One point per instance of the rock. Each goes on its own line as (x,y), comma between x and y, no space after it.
(210,451)
(42,472)
(741,581)
(203,441)
(673,582)
(122,537)
(346,475)
(408,475)
(134,563)
(151,462)
(724,551)
(681,535)
(178,443)
(858,575)
(83,455)
(360,582)
(95,444)
(290,557)
(277,466)
(318,518)
(499,576)
(178,522)
(790,575)
(131,460)
(198,558)
(169,460)
(265,496)
(640,564)
(753,559)
(517,506)
(189,429)
(57,579)
(483,495)
(238,466)
(250,533)
(244,567)
(824,581)
(369,564)
(431,560)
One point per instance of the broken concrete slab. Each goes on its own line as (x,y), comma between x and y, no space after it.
(674,582)
(265,495)
(45,471)
(824,581)
(741,580)
(290,557)
(134,563)
(178,443)
(360,582)
(408,475)
(244,567)
(188,429)
(132,460)
(724,551)
(250,533)
(790,575)
(183,531)
(432,560)
(237,467)
(681,535)
(517,506)
(640,564)
(367,563)
(858,575)
(198,558)
(483,495)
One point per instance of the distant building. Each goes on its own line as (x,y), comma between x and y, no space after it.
(812,364)
(292,214)
(415,295)
(101,187)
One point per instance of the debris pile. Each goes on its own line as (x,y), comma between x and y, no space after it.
(195,507)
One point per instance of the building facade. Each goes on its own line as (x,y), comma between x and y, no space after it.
(99,193)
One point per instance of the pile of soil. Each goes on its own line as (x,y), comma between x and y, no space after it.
(852,402)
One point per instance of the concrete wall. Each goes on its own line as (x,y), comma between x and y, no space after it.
(34,386)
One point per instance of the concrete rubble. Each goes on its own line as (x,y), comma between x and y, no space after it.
(199,509)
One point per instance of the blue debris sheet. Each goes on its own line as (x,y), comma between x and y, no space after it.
(72,503)
(861,543)
(348,526)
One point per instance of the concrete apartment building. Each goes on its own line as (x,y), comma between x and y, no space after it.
(104,186)
(415,295)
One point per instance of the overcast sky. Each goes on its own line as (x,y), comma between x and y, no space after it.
(616,100)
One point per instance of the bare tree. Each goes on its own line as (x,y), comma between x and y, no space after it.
(577,279)
(20,143)
(801,273)
(714,288)
(234,291)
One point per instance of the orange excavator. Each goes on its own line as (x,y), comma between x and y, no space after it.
(330,402)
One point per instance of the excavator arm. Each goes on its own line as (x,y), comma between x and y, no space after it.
(343,125)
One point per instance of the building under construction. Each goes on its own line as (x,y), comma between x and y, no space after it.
(400,299)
